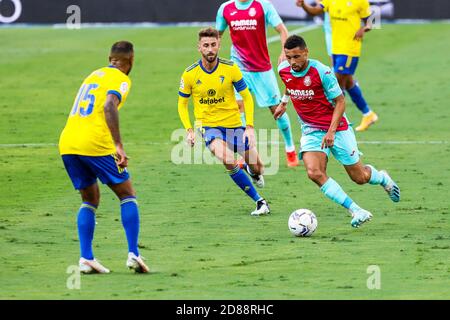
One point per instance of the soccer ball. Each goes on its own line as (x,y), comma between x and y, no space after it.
(302,223)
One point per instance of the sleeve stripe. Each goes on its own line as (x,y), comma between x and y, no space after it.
(116,93)
(240,85)
(184,95)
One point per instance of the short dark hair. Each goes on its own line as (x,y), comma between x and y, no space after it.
(122,48)
(209,32)
(295,41)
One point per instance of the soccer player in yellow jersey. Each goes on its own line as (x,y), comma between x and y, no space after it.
(349,22)
(91,147)
(211,82)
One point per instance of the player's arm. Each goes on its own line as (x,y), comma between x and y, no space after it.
(221,23)
(339,109)
(365,15)
(183,111)
(112,120)
(241,87)
(249,116)
(283,31)
(313,11)
(273,18)
(281,109)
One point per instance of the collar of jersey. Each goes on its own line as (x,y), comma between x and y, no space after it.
(301,74)
(243,5)
(111,66)
(203,68)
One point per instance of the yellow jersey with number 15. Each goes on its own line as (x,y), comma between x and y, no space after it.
(345,19)
(86,132)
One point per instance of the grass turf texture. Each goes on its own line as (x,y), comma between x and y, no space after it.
(196,231)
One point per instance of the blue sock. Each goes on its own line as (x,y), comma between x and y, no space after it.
(284,124)
(86,227)
(377,177)
(130,221)
(333,191)
(358,99)
(242,180)
(243,119)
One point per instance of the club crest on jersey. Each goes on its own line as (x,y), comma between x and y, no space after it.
(252,12)
(307,81)
(124,87)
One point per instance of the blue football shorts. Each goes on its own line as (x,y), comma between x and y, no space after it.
(344,64)
(232,136)
(84,170)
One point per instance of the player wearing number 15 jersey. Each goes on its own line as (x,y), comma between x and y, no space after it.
(91,148)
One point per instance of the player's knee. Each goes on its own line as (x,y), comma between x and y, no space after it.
(316,175)
(93,199)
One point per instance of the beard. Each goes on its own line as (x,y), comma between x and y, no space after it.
(210,57)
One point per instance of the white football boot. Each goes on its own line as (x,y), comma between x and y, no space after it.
(359,217)
(391,188)
(262,208)
(91,266)
(137,263)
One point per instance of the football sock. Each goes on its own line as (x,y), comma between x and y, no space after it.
(332,190)
(376,177)
(86,227)
(130,221)
(242,180)
(243,119)
(284,124)
(358,99)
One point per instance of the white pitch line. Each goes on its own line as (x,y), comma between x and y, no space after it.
(40,145)
(295,31)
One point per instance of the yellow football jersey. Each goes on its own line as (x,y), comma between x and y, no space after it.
(86,132)
(213,93)
(345,19)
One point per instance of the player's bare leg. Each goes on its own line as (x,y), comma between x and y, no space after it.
(284,125)
(221,150)
(130,221)
(362,174)
(347,83)
(254,166)
(316,164)
(91,194)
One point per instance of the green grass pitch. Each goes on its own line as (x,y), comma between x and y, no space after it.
(196,231)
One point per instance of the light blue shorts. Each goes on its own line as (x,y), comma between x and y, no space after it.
(264,86)
(345,149)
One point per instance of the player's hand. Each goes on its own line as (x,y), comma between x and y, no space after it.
(359,35)
(300,3)
(282,57)
(249,134)
(122,159)
(190,138)
(280,110)
(328,140)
